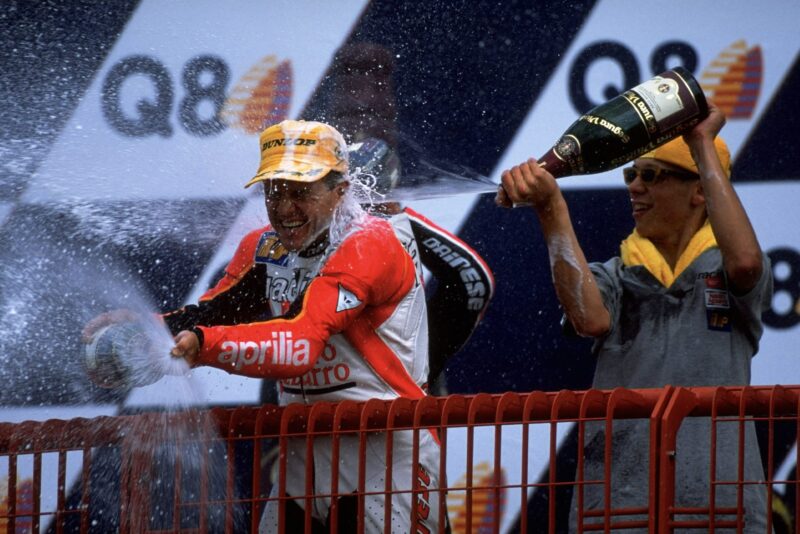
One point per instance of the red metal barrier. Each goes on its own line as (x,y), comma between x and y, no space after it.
(204,471)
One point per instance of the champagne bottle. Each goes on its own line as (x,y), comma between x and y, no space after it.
(629,125)
(122,356)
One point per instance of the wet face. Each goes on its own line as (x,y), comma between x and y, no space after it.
(300,211)
(663,197)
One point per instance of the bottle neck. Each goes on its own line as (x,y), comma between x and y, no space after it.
(555,165)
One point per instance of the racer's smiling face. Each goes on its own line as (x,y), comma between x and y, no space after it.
(300,211)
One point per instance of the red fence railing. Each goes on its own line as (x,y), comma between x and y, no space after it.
(217,470)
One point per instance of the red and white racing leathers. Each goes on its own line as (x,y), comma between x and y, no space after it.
(349,323)
(463,288)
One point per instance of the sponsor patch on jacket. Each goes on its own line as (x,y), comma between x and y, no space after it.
(717,301)
(717,298)
(270,250)
(719,320)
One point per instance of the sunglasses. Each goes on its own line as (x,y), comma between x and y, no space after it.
(651,176)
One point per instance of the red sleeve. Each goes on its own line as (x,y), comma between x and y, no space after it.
(241,262)
(369,268)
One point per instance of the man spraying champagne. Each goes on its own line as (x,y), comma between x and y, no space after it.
(681,305)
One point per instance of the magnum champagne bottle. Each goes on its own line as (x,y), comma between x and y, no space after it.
(627,126)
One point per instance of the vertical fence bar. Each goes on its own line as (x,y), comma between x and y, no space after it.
(86,487)
(19,442)
(680,404)
(241,426)
(775,392)
(509,408)
(345,414)
(230,471)
(655,454)
(6,431)
(396,408)
(308,485)
(12,493)
(205,443)
(400,416)
(745,396)
(289,416)
(258,455)
(607,461)
(426,414)
(362,472)
(415,466)
(721,396)
(333,513)
(374,420)
(69,438)
(125,487)
(564,400)
(176,487)
(536,407)
(320,417)
(525,452)
(36,493)
(592,403)
(61,496)
(130,487)
(454,412)
(268,420)
(282,461)
(140,471)
(470,452)
(480,408)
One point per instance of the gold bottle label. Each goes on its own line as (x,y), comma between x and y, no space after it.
(656,100)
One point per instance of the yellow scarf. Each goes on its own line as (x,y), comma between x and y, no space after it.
(638,250)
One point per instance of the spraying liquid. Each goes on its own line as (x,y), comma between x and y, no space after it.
(376,166)
(130,354)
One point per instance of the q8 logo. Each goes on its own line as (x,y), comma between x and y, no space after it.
(204,80)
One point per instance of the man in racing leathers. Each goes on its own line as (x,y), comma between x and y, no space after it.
(461,284)
(327,301)
(464,284)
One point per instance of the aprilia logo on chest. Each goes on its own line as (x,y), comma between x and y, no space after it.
(282,349)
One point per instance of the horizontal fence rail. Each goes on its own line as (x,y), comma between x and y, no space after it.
(226,469)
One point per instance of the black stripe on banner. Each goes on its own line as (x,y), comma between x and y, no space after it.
(464,73)
(49,52)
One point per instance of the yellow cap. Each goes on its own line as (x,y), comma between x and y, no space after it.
(677,153)
(302,151)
